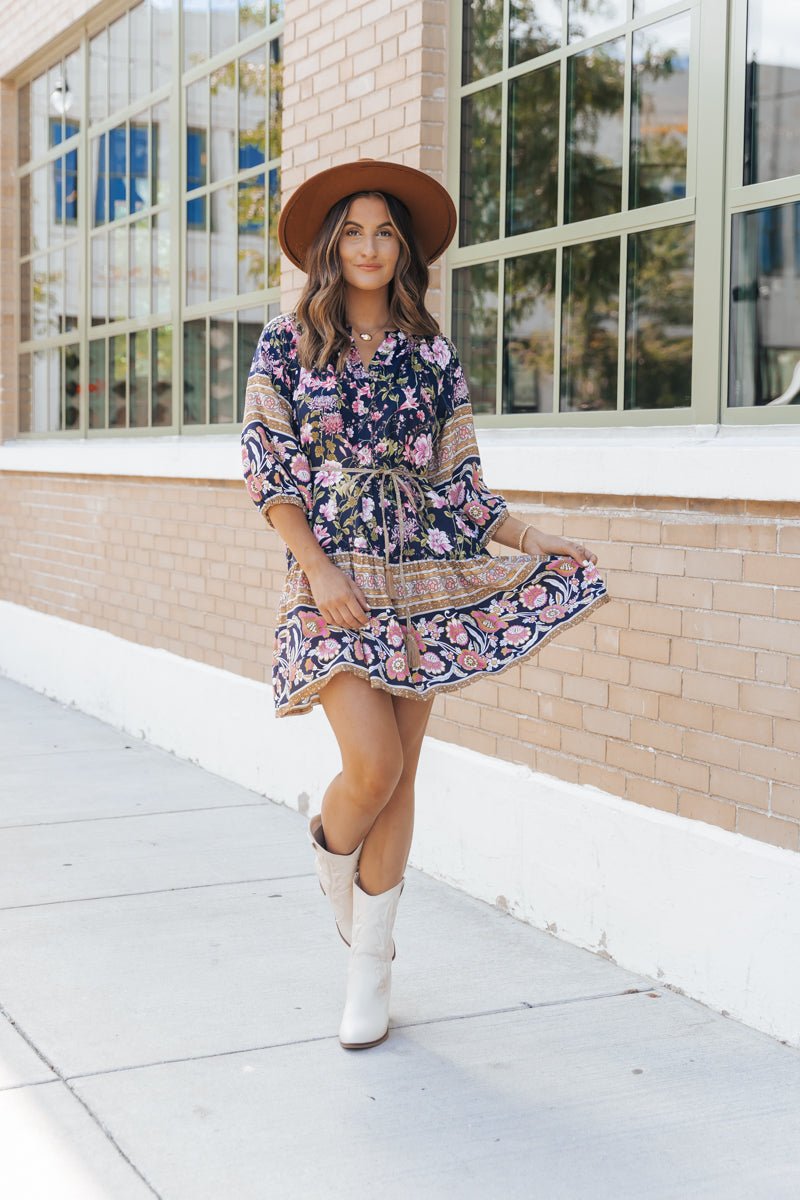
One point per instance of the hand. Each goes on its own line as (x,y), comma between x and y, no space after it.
(338,597)
(536,542)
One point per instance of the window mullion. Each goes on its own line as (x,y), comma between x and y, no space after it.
(177,224)
(84,241)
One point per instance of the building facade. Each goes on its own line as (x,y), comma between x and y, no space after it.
(624,289)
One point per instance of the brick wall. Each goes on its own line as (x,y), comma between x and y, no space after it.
(363,79)
(681,694)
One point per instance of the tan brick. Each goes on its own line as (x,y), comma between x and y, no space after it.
(724,660)
(785,801)
(634,759)
(711,748)
(541,733)
(558,765)
(660,560)
(558,657)
(713,689)
(585,690)
(655,618)
(606,666)
(711,627)
(635,529)
(688,713)
(628,585)
(773,569)
(583,745)
(657,678)
(652,794)
(767,829)
(699,807)
(773,701)
(683,653)
(779,766)
(787,737)
(653,735)
(606,722)
(758,538)
(683,772)
(789,539)
(689,535)
(495,720)
(606,639)
(770,634)
(593,775)
(648,647)
(685,593)
(772,668)
(561,712)
(514,751)
(747,727)
(538,680)
(787,604)
(714,564)
(517,700)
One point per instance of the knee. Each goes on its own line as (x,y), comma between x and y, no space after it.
(375,775)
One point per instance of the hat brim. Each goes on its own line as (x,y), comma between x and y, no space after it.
(433,214)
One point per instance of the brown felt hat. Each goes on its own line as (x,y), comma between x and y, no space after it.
(433,214)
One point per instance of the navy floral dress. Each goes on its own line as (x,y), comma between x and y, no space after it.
(384,462)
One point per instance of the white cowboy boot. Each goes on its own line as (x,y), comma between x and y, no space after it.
(335,873)
(365,1020)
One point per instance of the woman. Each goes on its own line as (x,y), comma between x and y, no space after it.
(358,447)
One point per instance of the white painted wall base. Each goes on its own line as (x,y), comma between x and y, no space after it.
(714,914)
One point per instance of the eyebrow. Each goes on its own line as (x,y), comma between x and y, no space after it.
(358,226)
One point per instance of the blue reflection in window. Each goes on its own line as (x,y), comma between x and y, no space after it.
(120,149)
(65,173)
(195,177)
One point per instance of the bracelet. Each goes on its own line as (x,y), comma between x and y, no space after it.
(522,539)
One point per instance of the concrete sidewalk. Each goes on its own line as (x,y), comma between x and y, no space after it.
(171,984)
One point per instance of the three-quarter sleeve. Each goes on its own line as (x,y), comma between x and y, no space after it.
(276,470)
(456,470)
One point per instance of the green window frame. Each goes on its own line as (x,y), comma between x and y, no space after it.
(136,358)
(517,284)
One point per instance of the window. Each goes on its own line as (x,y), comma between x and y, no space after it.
(182,272)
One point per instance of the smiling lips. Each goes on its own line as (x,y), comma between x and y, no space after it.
(371,267)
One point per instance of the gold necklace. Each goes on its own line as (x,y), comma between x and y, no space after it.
(367,337)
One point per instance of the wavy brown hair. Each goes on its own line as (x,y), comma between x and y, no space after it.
(321,311)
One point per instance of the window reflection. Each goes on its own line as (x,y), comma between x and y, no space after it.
(532,174)
(590,326)
(475,330)
(221,363)
(480,167)
(589,17)
(194,372)
(481,39)
(658,356)
(534,29)
(139,383)
(97,383)
(660,111)
(772,91)
(161,375)
(765,307)
(595,91)
(529,333)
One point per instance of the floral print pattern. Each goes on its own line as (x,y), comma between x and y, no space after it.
(384,462)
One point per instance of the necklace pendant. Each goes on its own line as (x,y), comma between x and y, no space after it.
(365,337)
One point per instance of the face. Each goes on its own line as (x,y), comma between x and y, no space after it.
(368,245)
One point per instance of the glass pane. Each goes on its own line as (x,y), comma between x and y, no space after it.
(161,32)
(659,112)
(194,372)
(161,405)
(39,212)
(274,251)
(160,263)
(55,105)
(39,392)
(140,165)
(595,86)
(139,51)
(97,384)
(765,307)
(588,17)
(481,39)
(196,134)
(223,241)
(252,109)
(139,268)
(221,355)
(72,386)
(24,128)
(46,391)
(73,90)
(72,257)
(475,331)
(55,307)
(99,153)
(25,301)
(41,292)
(99,298)
(252,17)
(772,91)
(251,234)
(276,13)
(196,252)
(118,378)
(529,333)
(643,8)
(223,23)
(590,326)
(195,32)
(534,28)
(275,98)
(118,64)
(480,167)
(116,144)
(249,325)
(139,354)
(223,121)
(98,77)
(118,273)
(40,129)
(25,388)
(658,352)
(532,175)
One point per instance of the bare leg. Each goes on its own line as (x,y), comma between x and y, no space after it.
(387,845)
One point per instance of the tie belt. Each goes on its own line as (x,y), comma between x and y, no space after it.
(400,479)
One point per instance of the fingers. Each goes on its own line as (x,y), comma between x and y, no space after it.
(582,554)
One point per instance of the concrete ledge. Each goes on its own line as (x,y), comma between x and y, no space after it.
(712,914)
(699,461)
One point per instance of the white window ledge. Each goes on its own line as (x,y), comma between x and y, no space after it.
(702,462)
